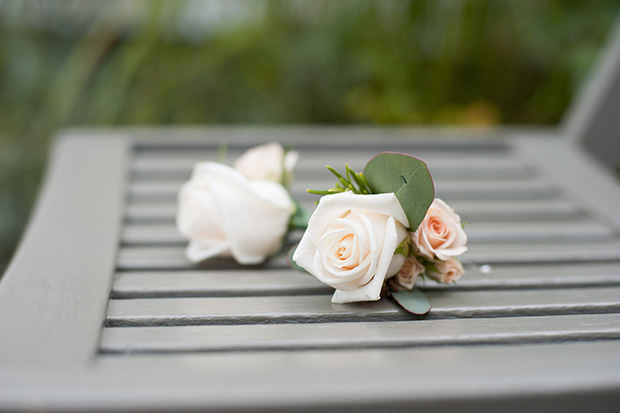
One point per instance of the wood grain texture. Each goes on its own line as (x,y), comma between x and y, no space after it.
(54,294)
(218,336)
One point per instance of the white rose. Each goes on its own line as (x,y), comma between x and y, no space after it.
(350,244)
(222,212)
(440,235)
(408,272)
(447,271)
(268,162)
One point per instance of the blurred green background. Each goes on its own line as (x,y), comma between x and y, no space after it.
(65,63)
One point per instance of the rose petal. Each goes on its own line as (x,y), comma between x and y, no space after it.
(254,214)
(372,290)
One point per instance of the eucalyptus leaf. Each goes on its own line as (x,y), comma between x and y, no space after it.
(407,177)
(414,301)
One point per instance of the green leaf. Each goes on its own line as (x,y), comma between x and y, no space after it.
(292,263)
(299,220)
(414,301)
(404,248)
(407,177)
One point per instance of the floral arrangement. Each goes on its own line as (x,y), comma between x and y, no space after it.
(373,234)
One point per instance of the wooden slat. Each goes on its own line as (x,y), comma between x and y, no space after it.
(216,283)
(318,308)
(469,210)
(545,252)
(587,182)
(312,163)
(557,377)
(54,294)
(158,191)
(245,282)
(167,258)
(172,257)
(573,230)
(361,335)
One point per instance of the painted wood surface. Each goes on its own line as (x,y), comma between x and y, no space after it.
(469,210)
(172,257)
(538,332)
(477,232)
(54,294)
(244,282)
(384,334)
(543,287)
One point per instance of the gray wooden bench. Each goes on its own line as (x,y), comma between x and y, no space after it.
(100,310)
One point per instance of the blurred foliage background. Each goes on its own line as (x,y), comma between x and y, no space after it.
(113,62)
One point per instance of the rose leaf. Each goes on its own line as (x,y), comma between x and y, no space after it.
(414,301)
(405,176)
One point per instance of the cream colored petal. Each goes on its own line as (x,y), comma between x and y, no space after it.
(262,162)
(372,290)
(198,251)
(254,214)
(338,205)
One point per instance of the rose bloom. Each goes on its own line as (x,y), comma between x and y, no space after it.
(447,271)
(222,212)
(268,162)
(408,272)
(440,235)
(350,244)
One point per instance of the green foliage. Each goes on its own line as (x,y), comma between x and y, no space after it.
(115,62)
(300,218)
(414,301)
(408,178)
(352,181)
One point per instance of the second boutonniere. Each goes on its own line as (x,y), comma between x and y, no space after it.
(374,233)
(243,211)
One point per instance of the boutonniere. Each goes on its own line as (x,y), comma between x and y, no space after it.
(242,211)
(375,233)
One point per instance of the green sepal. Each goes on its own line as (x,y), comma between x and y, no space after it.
(404,248)
(300,218)
(413,301)
(430,266)
(405,176)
